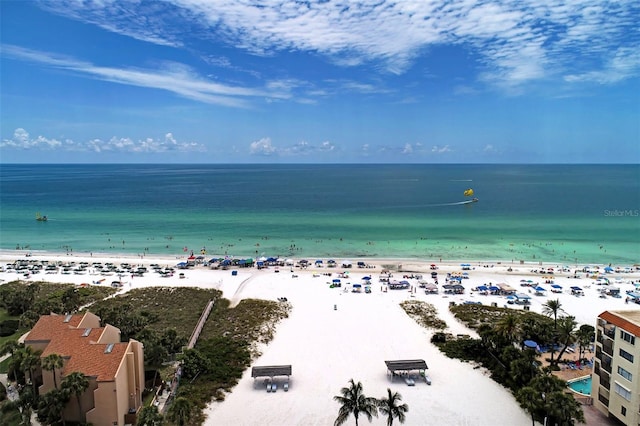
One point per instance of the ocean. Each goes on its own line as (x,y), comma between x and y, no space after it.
(566,214)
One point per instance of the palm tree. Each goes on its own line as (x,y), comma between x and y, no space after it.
(76,383)
(584,336)
(509,327)
(149,416)
(9,347)
(30,360)
(531,400)
(566,334)
(552,308)
(52,362)
(51,406)
(390,407)
(355,402)
(180,411)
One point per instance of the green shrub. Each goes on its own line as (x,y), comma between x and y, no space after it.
(8,327)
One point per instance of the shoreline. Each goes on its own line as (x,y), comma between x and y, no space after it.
(403,261)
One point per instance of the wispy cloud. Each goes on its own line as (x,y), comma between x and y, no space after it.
(517,41)
(173,77)
(21,140)
(264,147)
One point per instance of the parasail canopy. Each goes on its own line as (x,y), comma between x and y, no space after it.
(468,192)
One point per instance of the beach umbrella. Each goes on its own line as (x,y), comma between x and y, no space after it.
(482,288)
(366,278)
(530,344)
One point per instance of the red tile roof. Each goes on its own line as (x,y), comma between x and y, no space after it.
(81,353)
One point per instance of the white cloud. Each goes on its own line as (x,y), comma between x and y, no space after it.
(440,149)
(262,147)
(23,141)
(517,40)
(172,77)
(623,64)
(265,147)
(408,149)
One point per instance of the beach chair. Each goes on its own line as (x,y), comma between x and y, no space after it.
(427,379)
(285,386)
(268,383)
(274,387)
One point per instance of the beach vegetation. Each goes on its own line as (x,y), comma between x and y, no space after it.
(180,411)
(391,407)
(500,349)
(423,313)
(28,300)
(354,402)
(149,416)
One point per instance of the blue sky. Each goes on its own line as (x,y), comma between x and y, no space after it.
(237,81)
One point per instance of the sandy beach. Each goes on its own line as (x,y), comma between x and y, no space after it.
(333,335)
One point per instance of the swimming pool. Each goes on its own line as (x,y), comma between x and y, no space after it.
(581,385)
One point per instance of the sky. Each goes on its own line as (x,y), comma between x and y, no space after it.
(239,81)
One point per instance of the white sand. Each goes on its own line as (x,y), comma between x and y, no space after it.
(327,347)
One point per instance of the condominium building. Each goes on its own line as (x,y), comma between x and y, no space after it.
(615,381)
(115,369)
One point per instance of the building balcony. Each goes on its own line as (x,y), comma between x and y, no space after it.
(607,348)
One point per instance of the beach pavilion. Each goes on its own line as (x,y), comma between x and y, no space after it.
(404,367)
(271,371)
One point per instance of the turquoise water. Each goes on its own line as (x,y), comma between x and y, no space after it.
(582,385)
(554,213)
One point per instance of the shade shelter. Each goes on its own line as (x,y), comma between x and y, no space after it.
(271,371)
(406,367)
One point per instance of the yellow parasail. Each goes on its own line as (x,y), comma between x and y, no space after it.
(468,192)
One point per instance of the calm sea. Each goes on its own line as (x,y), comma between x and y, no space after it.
(556,213)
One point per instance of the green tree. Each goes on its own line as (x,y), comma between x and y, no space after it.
(355,402)
(52,362)
(565,333)
(9,347)
(30,360)
(171,341)
(150,416)
(193,363)
(180,411)
(509,327)
(391,407)
(26,403)
(584,337)
(51,406)
(531,400)
(563,409)
(552,308)
(70,299)
(75,384)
